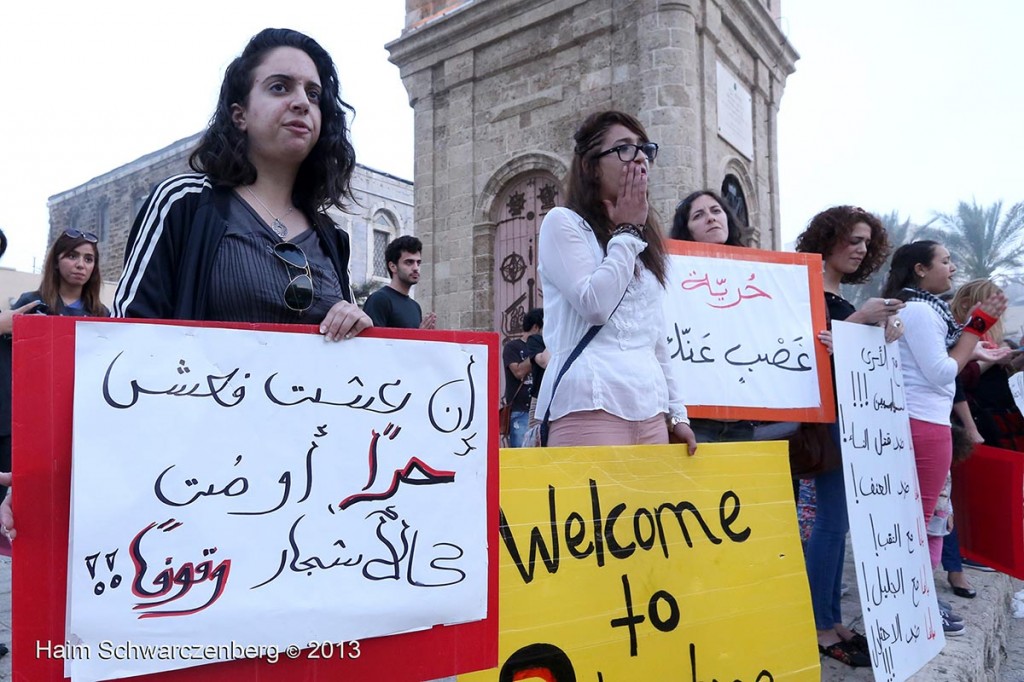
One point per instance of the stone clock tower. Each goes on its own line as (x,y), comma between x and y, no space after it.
(499,86)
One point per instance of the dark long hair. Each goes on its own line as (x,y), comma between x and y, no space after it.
(325,175)
(834,225)
(584,188)
(901,271)
(49,287)
(681,220)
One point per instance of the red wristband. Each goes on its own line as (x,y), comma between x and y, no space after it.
(979,323)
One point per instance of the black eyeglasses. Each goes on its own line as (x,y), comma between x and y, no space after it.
(299,294)
(78,234)
(629,152)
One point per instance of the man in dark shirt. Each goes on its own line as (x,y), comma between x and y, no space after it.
(536,350)
(517,389)
(390,306)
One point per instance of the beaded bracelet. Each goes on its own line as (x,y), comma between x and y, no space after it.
(979,323)
(629,228)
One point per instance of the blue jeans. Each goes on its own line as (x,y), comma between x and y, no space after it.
(517,428)
(951,561)
(826,548)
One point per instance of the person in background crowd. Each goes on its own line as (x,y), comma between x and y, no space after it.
(536,351)
(247,237)
(602,267)
(703,217)
(70,286)
(518,378)
(987,411)
(934,349)
(391,306)
(985,384)
(539,357)
(853,244)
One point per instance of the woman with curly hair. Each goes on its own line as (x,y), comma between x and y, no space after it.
(247,237)
(602,264)
(853,244)
(704,217)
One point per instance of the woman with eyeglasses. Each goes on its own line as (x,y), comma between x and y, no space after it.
(247,237)
(70,286)
(602,268)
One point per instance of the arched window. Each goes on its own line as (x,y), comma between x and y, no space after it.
(732,194)
(382,230)
(103,221)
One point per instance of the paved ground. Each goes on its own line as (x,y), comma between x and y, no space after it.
(1013,666)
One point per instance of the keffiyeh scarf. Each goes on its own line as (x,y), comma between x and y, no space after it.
(953,330)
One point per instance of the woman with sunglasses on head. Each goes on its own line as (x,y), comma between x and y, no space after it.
(70,286)
(602,262)
(71,279)
(247,238)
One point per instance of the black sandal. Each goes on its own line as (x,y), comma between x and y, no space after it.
(845,651)
(860,641)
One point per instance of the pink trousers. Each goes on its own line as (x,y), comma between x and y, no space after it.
(597,427)
(933,453)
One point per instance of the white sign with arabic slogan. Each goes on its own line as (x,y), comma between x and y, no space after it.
(887,531)
(245,488)
(741,332)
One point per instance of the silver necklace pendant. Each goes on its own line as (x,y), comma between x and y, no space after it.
(280,228)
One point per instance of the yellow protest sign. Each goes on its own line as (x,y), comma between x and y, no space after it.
(640,563)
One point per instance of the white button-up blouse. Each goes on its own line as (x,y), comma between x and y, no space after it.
(625,370)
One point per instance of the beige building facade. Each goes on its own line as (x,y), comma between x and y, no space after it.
(499,86)
(107,206)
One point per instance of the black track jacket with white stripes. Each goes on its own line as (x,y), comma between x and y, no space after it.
(170,252)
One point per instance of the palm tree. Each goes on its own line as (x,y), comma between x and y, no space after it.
(983,246)
(900,233)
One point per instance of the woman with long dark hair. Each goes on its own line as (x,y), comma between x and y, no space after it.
(704,217)
(70,285)
(602,262)
(934,349)
(247,237)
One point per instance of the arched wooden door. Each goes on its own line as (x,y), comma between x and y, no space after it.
(523,206)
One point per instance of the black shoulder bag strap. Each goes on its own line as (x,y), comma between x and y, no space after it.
(587,338)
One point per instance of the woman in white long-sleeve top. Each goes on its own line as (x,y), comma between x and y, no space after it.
(602,262)
(933,350)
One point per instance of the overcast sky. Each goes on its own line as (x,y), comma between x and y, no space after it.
(906,105)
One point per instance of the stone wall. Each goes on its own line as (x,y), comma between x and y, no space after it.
(123,190)
(499,86)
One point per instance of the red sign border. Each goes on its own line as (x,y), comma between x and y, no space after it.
(826,412)
(43,386)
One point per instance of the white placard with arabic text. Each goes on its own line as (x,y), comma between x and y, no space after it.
(890,546)
(1017,389)
(741,331)
(245,488)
